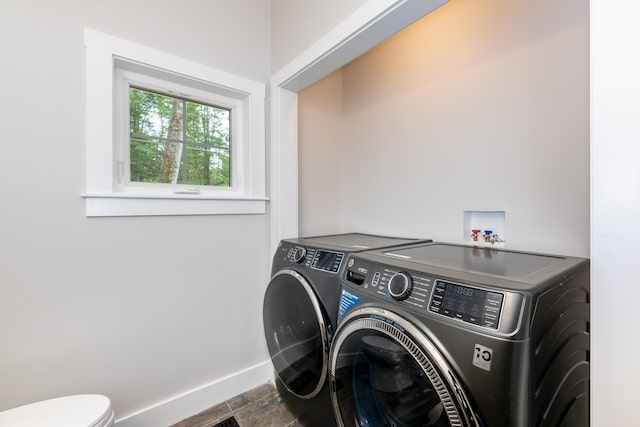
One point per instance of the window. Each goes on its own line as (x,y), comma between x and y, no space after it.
(174,136)
(166,136)
(175,140)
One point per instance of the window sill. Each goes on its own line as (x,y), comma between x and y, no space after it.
(106,205)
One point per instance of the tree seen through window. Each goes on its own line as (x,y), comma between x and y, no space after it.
(177,141)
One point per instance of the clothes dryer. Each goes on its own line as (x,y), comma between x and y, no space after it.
(300,315)
(451,335)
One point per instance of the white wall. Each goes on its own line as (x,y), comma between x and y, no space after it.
(478,106)
(295,25)
(139,309)
(615,175)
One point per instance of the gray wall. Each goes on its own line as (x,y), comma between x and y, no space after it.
(478,106)
(140,309)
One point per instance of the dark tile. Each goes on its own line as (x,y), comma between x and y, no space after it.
(252,395)
(259,407)
(266,412)
(217,412)
(207,417)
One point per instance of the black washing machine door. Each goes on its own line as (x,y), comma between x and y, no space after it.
(295,327)
(384,372)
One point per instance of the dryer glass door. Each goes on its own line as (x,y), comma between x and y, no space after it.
(295,327)
(381,376)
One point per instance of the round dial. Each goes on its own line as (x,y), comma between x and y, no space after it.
(299,254)
(400,286)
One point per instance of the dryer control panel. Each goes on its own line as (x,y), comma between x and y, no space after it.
(315,258)
(327,260)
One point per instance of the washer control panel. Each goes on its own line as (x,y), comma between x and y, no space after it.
(470,304)
(480,305)
(410,288)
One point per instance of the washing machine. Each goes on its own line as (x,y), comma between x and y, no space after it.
(450,335)
(300,314)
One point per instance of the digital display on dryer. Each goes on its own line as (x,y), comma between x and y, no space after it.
(327,261)
(471,305)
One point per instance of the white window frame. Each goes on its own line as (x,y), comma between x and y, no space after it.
(110,63)
(131,74)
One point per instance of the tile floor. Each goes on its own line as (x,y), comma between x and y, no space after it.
(260,407)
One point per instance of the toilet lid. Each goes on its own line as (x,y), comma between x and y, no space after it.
(86,410)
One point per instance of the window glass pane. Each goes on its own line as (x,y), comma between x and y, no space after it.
(149,113)
(221,172)
(208,125)
(206,166)
(158,149)
(145,158)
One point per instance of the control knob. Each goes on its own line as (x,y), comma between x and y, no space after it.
(400,286)
(299,254)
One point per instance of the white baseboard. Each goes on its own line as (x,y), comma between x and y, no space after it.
(192,402)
